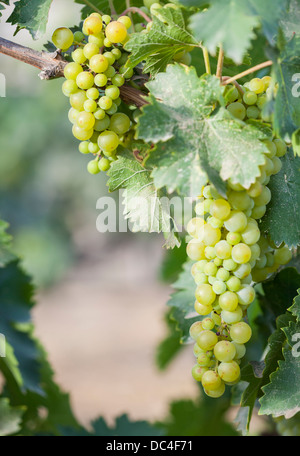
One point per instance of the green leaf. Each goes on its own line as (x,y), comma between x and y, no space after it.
(205,417)
(172,263)
(193,142)
(290,19)
(144,205)
(226,22)
(281,220)
(5,245)
(167,36)
(295,308)
(286,104)
(170,346)
(282,394)
(270,13)
(31,15)
(10,418)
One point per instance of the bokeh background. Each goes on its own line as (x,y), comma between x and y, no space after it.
(101,300)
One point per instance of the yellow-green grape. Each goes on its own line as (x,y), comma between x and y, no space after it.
(210,269)
(99,114)
(240,332)
(251,234)
(85,80)
(271,148)
(277,163)
(210,235)
(120,123)
(224,351)
(116,53)
(104,164)
(211,380)
(116,32)
(72,115)
(127,73)
(112,91)
(246,295)
(194,226)
(236,222)
(77,100)
(81,134)
(264,198)
(233,283)
(207,340)
(218,392)
(223,274)
(92,25)
(93,148)
(219,287)
(198,371)
(256,85)
(220,209)
(78,37)
(195,250)
(242,270)
(69,86)
(214,222)
(216,318)
(208,323)
(110,72)
(218,261)
(252,112)
(203,360)
(195,329)
(92,167)
(105,102)
(210,252)
(229,265)
(228,301)
(233,238)
(255,189)
(125,20)
(202,309)
(108,141)
(200,278)
(240,350)
(63,38)
(258,212)
(205,294)
(229,371)
(241,253)
(198,267)
(223,250)
(86,120)
(197,350)
(93,93)
(78,56)
(98,63)
(97,39)
(72,70)
(118,80)
(249,98)
(281,147)
(90,106)
(103,124)
(90,50)
(239,200)
(107,43)
(100,80)
(231,317)
(84,147)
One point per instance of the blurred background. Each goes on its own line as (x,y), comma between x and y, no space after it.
(101,304)
(101,300)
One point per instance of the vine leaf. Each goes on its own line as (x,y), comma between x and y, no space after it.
(290,19)
(286,104)
(31,15)
(10,418)
(145,207)
(281,220)
(194,142)
(168,36)
(231,22)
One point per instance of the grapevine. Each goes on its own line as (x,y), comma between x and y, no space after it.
(231,255)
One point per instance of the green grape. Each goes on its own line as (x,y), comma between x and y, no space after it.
(105,102)
(216,318)
(102,124)
(118,80)
(78,56)
(210,235)
(258,212)
(200,278)
(93,148)
(210,269)
(81,134)
(203,360)
(223,250)
(257,85)
(211,380)
(252,112)
(110,57)
(63,38)
(194,225)
(223,274)
(207,340)
(125,20)
(93,93)
(246,295)
(104,164)
(237,221)
(239,200)
(219,287)
(77,100)
(72,70)
(208,323)
(198,267)
(72,115)
(237,109)
(195,250)
(85,80)
(195,329)
(214,222)
(229,265)
(110,72)
(271,148)
(262,99)
(251,234)
(108,141)
(107,43)
(98,63)
(78,37)
(233,283)
(240,332)
(127,73)
(281,147)
(198,371)
(233,238)
(90,50)
(255,189)
(205,294)
(210,252)
(282,255)
(218,261)
(97,39)
(85,120)
(264,198)
(228,301)
(201,309)
(99,114)
(84,147)
(90,106)
(231,95)
(112,92)
(250,98)
(112,110)
(116,53)
(218,392)
(277,164)
(242,271)
(241,253)
(92,167)
(220,209)
(229,371)
(92,25)
(69,86)
(240,350)
(231,317)
(224,351)
(100,80)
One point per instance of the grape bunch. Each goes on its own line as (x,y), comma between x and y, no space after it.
(93,80)
(230,255)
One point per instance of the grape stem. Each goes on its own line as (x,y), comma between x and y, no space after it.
(249,71)
(220,64)
(206,60)
(52,66)
(130,15)
(112,7)
(134,9)
(236,84)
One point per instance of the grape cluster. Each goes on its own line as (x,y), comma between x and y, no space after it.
(230,255)
(93,80)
